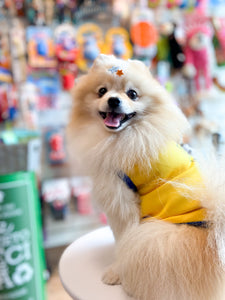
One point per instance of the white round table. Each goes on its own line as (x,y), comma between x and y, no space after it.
(82,264)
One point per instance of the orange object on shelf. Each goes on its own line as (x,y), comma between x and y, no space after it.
(144,34)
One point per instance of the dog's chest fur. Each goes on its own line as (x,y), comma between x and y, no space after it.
(112,196)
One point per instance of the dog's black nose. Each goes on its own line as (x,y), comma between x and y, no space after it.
(113,102)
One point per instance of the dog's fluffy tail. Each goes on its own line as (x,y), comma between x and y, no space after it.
(159,260)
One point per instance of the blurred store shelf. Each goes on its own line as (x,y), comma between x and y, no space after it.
(63,232)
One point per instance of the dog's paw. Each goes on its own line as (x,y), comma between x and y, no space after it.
(111,277)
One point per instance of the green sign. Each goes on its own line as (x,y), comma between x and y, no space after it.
(22,260)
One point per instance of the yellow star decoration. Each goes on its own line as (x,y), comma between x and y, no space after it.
(119,73)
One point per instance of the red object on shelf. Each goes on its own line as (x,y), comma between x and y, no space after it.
(84,204)
(68,81)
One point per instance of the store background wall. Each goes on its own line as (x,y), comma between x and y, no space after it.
(46,45)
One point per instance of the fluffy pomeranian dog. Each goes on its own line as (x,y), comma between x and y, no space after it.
(167,216)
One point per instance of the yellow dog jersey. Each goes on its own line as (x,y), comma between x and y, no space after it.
(161,189)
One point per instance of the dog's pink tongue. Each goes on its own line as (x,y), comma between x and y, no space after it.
(113,120)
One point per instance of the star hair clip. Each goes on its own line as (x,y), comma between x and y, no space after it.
(117,71)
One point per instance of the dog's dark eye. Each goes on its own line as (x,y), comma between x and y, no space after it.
(102,91)
(132,94)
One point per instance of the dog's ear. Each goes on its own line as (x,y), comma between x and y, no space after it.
(139,65)
(103,60)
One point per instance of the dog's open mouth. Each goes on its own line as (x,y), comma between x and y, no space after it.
(114,120)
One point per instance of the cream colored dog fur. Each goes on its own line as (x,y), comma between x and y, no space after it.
(155,260)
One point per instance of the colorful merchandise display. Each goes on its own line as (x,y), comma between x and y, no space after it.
(68,49)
